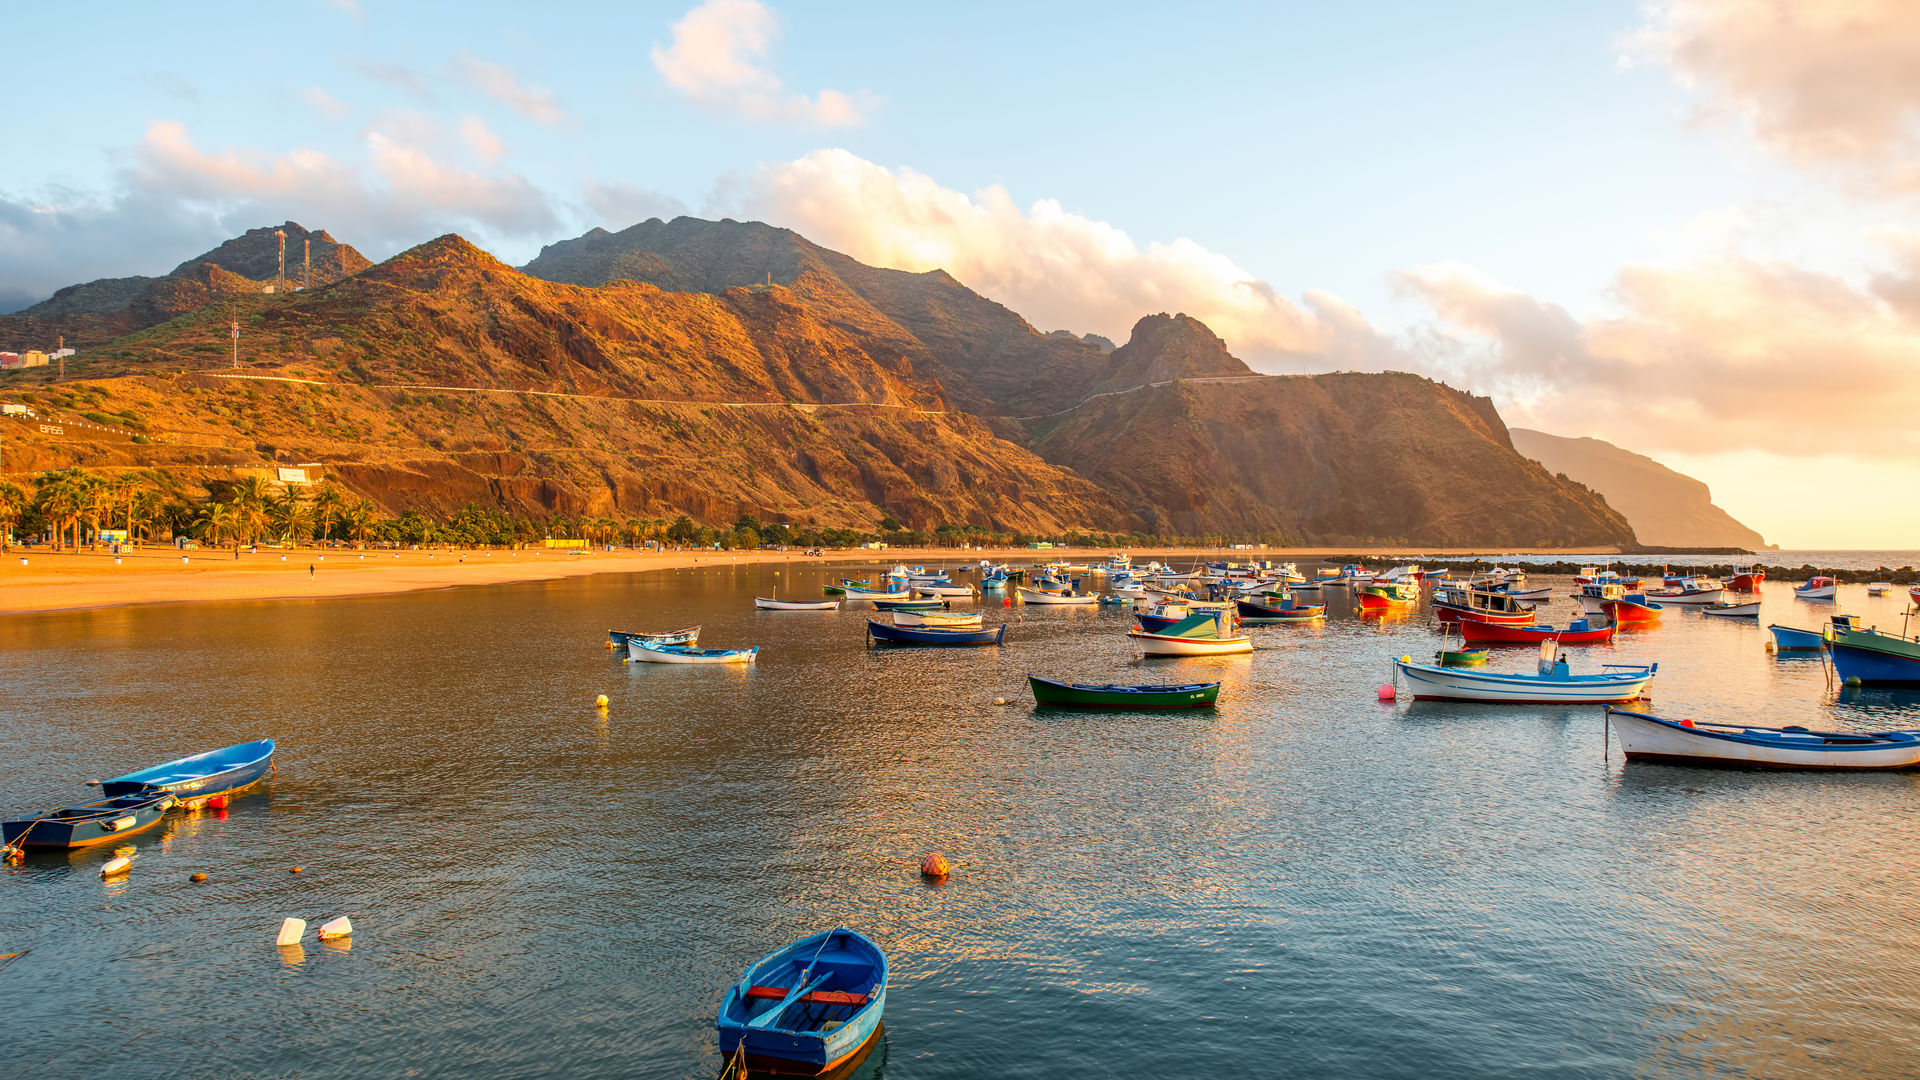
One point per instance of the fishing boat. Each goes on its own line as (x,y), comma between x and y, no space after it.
(953,619)
(1915,594)
(924,591)
(934,635)
(1690,590)
(1633,609)
(1594,575)
(808,1007)
(1879,588)
(1038,596)
(878,594)
(1594,595)
(932,603)
(1386,596)
(1645,737)
(103,822)
(1463,656)
(1728,609)
(1578,632)
(1281,608)
(680,654)
(1816,588)
(688,636)
(1873,657)
(216,772)
(1203,633)
(1746,577)
(1460,603)
(1114,696)
(1553,684)
(1789,638)
(768,603)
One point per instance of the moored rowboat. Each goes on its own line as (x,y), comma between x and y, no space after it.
(1111,696)
(953,619)
(1645,737)
(1577,632)
(1786,638)
(1036,596)
(672,637)
(102,822)
(216,772)
(808,1007)
(768,603)
(680,654)
(1554,684)
(1730,610)
(934,635)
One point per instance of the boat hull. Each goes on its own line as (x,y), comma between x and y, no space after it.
(1161,645)
(1787,638)
(1631,612)
(107,821)
(216,772)
(1733,611)
(1085,696)
(971,621)
(673,654)
(1429,682)
(1651,738)
(933,635)
(1482,633)
(1035,596)
(1866,657)
(764,603)
(1688,596)
(623,638)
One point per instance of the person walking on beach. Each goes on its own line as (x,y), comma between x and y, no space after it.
(309,569)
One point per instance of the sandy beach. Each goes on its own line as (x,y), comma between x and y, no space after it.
(46,581)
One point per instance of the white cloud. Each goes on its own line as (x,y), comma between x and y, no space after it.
(1827,83)
(325,104)
(481,140)
(497,81)
(718,58)
(1716,356)
(1059,269)
(616,206)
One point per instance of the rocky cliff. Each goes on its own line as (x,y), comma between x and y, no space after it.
(1666,508)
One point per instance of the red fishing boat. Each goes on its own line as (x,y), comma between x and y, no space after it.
(1578,632)
(1633,609)
(1746,578)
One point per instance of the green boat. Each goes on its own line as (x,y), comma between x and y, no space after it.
(1110,696)
(1462,657)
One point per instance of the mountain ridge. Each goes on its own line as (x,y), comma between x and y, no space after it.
(1667,508)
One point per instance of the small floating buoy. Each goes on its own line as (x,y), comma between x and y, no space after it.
(1386,691)
(935,866)
(291,931)
(601,701)
(999,701)
(115,866)
(218,802)
(1770,646)
(295,870)
(1853,680)
(337,928)
(197,878)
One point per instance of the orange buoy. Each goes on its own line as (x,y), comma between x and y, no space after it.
(1386,691)
(218,802)
(1688,722)
(935,866)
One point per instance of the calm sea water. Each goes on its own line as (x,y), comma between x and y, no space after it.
(1303,881)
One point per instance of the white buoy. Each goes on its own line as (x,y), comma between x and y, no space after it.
(116,866)
(337,928)
(291,931)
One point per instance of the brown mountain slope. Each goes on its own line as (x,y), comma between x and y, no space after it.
(989,359)
(621,400)
(96,312)
(1327,459)
(1667,508)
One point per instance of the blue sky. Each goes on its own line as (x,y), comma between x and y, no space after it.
(1574,207)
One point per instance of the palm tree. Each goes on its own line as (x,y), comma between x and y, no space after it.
(290,514)
(126,488)
(359,520)
(13,502)
(60,497)
(215,518)
(249,500)
(99,501)
(147,506)
(327,504)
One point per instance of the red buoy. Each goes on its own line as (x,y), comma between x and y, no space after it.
(218,802)
(935,866)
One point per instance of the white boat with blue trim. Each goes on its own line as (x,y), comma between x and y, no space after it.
(1645,737)
(1553,684)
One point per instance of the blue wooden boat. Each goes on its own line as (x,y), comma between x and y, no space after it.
(934,635)
(1786,638)
(215,772)
(104,822)
(623,638)
(1154,624)
(1873,657)
(808,1007)
(1645,737)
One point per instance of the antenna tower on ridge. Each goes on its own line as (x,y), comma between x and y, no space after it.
(280,275)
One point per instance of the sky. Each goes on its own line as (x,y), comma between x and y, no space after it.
(1685,227)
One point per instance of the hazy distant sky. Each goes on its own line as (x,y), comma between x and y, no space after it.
(1683,227)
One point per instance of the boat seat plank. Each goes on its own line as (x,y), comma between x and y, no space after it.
(818,997)
(766,1019)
